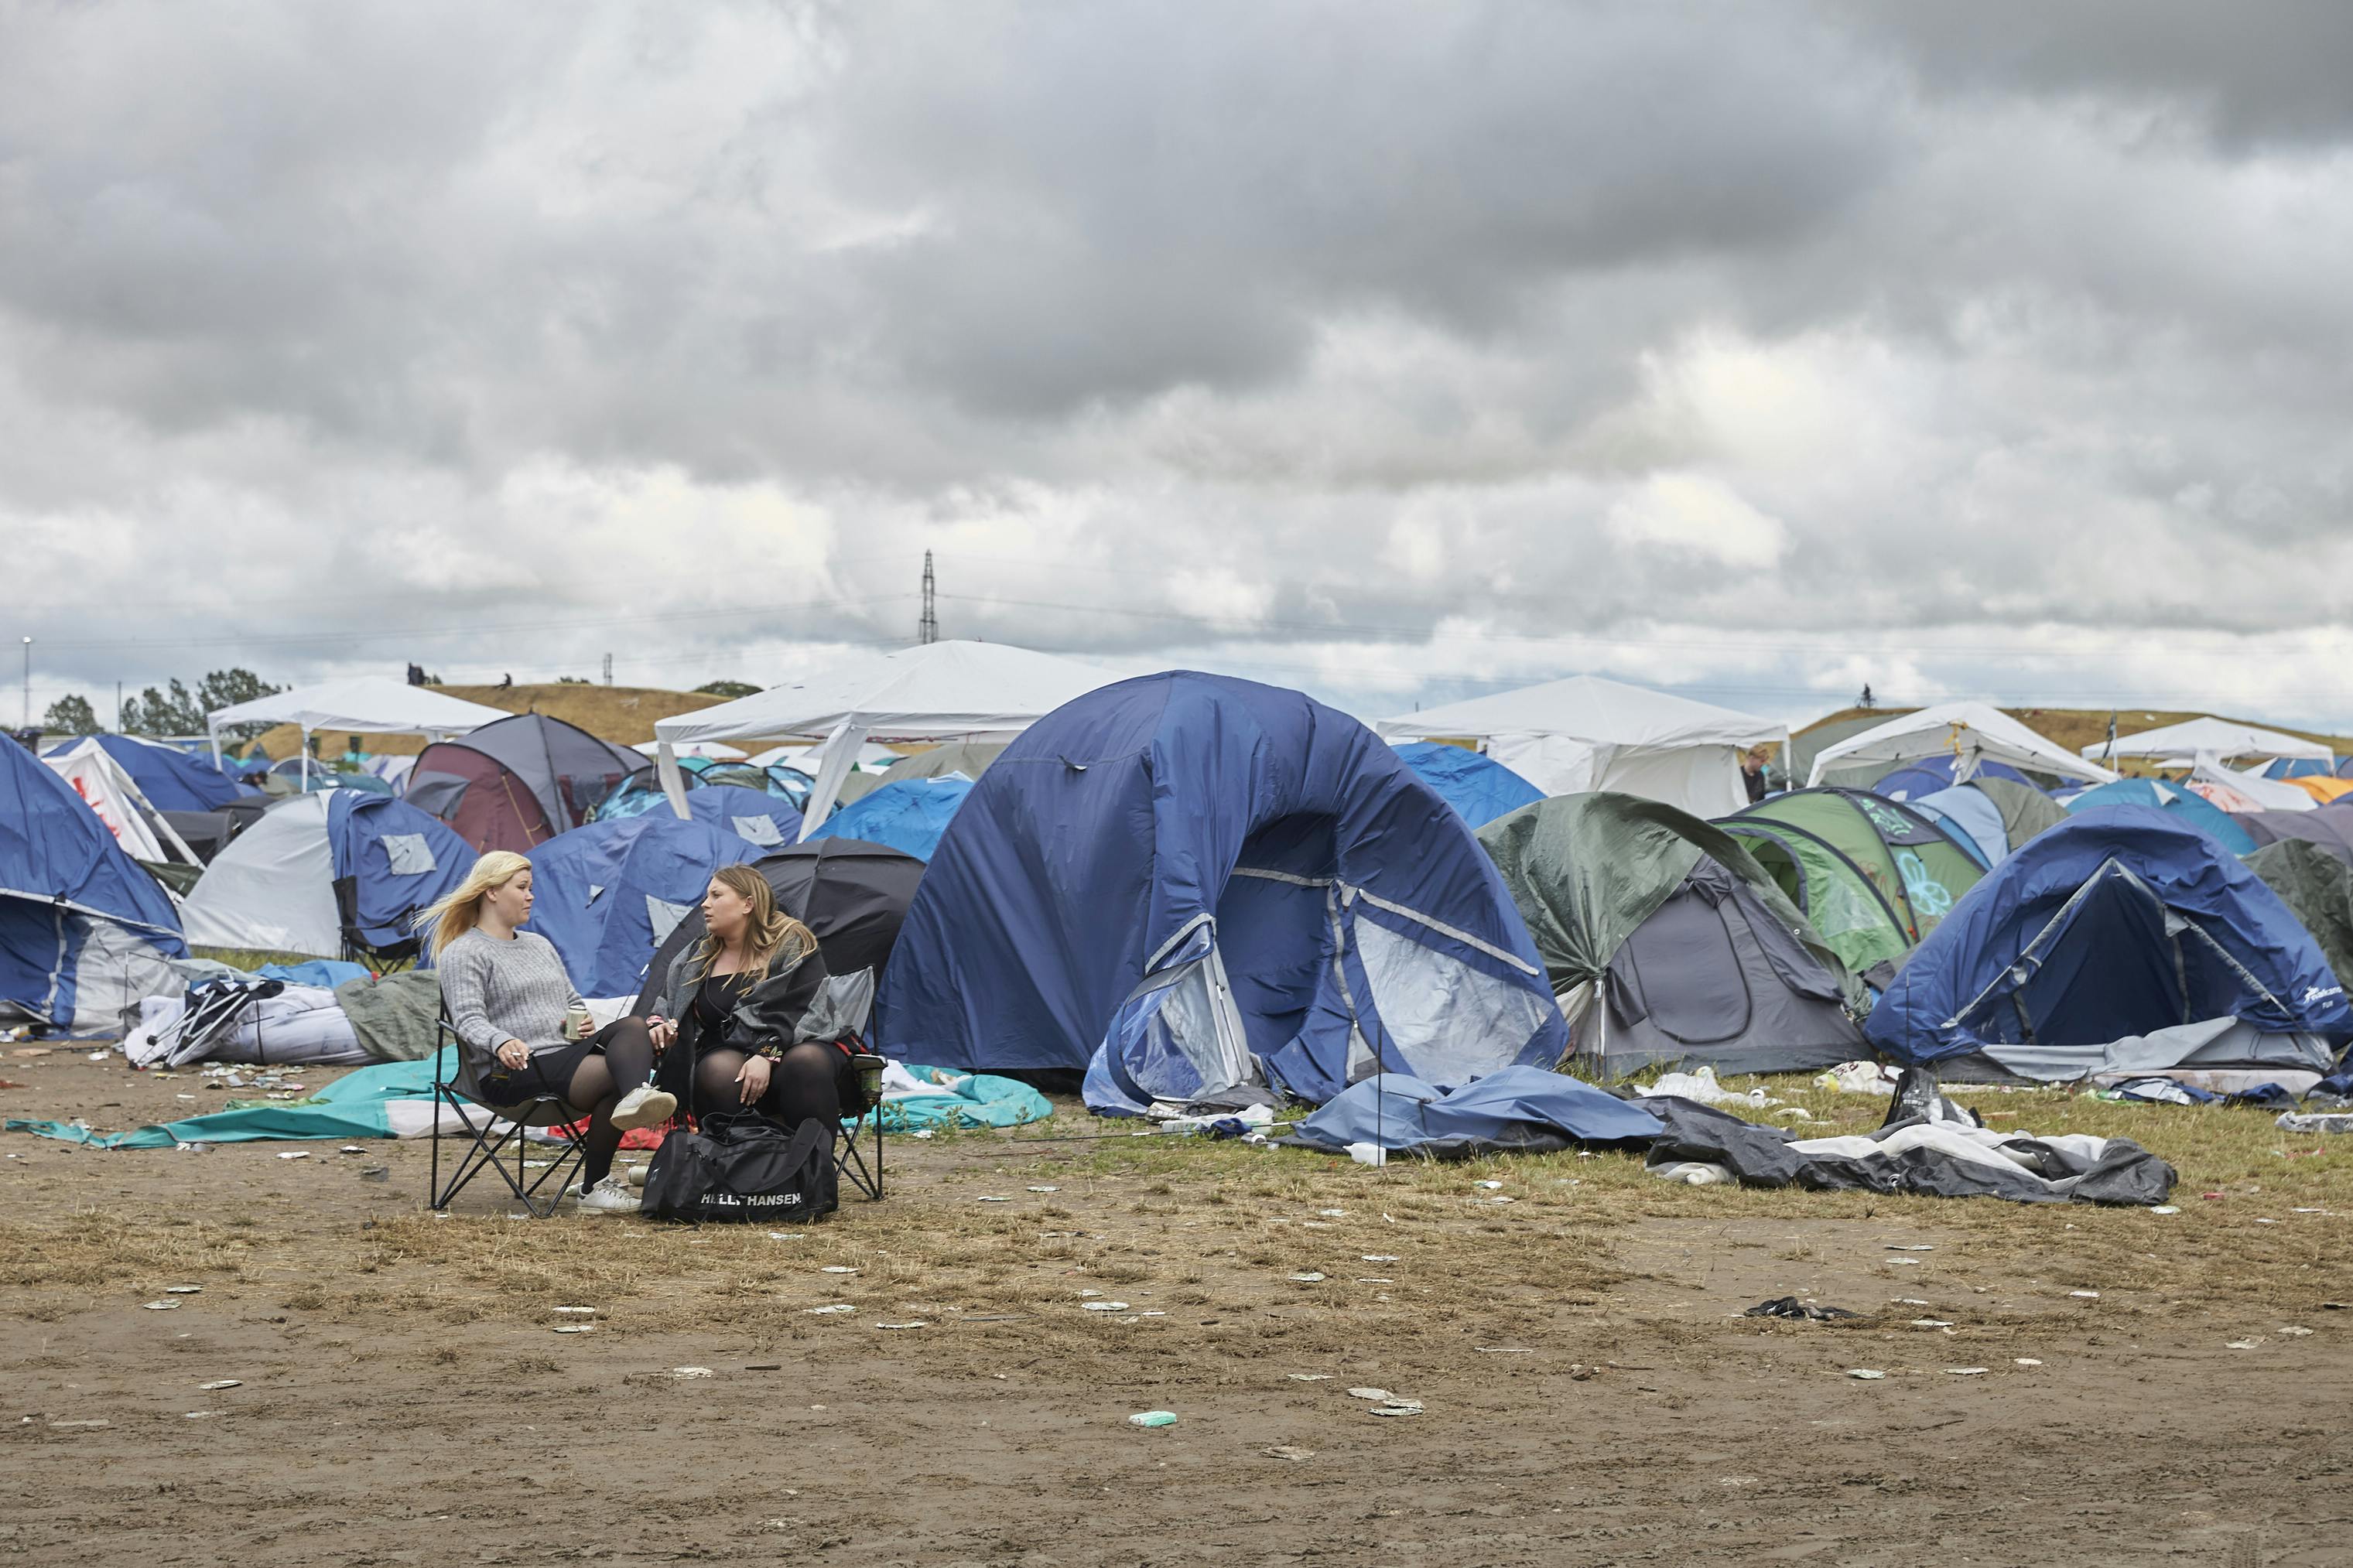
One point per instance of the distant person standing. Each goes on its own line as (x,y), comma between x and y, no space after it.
(1752,771)
(415,673)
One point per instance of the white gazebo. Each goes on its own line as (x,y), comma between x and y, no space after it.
(2220,738)
(1972,733)
(364,705)
(1587,733)
(937,691)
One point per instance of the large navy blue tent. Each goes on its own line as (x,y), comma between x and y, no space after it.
(84,932)
(767,820)
(2124,939)
(172,780)
(609,893)
(1193,872)
(1480,787)
(391,861)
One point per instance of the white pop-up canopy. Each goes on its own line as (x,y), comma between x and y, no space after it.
(1970,734)
(708,751)
(364,705)
(1586,734)
(938,691)
(2220,738)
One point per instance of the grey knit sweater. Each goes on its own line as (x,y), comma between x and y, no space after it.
(498,991)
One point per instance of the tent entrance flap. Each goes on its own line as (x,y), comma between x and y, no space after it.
(1180,1038)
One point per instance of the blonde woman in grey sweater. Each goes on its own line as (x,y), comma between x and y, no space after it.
(524,1030)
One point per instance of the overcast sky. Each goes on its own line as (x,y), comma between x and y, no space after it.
(1397,352)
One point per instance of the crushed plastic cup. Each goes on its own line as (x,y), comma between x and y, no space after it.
(1865,1373)
(1153,1418)
(1368,1155)
(1102,1306)
(218,1384)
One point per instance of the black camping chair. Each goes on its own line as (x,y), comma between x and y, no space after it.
(357,948)
(491,1129)
(862,1090)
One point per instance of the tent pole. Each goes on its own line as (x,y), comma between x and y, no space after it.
(840,751)
(212,728)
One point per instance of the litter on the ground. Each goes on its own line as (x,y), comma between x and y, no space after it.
(1402,1408)
(576,1328)
(1369,1393)
(1102,1306)
(1702,1086)
(1491,1186)
(1930,1323)
(585,1311)
(2084,1295)
(183,1290)
(1045,1189)
(1308,1278)
(1310,1377)
(915,1323)
(1966,1371)
(2165,1208)
(2025,1361)
(991,1198)
(823,1311)
(220,1383)
(1502,1350)
(2294,1332)
(1153,1418)
(1866,1375)
(295,1155)
(163,1306)
(684,1373)
(1790,1307)
(1286,1451)
(837,1268)
(1908,1247)
(2241,1344)
(1379,1258)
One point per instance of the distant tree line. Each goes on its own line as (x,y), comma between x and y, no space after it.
(173,710)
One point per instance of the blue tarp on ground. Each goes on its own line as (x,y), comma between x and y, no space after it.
(1204,868)
(172,780)
(1517,1107)
(1479,787)
(2120,922)
(608,894)
(908,815)
(2194,809)
(82,928)
(400,859)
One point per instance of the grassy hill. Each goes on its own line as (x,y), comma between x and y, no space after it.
(623,714)
(2076,728)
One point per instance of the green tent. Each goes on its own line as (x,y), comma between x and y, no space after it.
(1874,876)
(1668,942)
(2318,889)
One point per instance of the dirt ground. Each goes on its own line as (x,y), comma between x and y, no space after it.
(1590,1392)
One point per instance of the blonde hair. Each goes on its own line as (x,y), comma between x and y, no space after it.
(769,934)
(462,911)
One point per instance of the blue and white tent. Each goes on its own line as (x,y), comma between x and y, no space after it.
(274,888)
(84,932)
(765,820)
(2192,808)
(2122,941)
(170,780)
(1927,775)
(609,893)
(1480,788)
(907,814)
(1182,880)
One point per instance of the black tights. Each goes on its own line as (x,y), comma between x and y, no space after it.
(806,1083)
(625,1060)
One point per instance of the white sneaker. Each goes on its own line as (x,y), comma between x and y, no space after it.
(609,1197)
(644,1106)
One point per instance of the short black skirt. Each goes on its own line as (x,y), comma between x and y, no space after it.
(548,1072)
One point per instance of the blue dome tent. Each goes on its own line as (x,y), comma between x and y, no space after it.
(84,932)
(752,815)
(908,815)
(2123,940)
(2194,809)
(1176,880)
(333,874)
(609,893)
(172,780)
(1927,775)
(1479,787)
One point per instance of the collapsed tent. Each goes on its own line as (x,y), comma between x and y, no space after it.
(2317,888)
(1971,733)
(908,815)
(1173,878)
(852,896)
(84,932)
(1515,1111)
(2228,831)
(1478,788)
(2123,940)
(610,893)
(1871,877)
(1667,942)
(91,770)
(1587,733)
(170,779)
(1933,1156)
(518,782)
(332,875)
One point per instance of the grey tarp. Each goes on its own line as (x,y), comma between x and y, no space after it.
(2317,886)
(2329,827)
(2025,810)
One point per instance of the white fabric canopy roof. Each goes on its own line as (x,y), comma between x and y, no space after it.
(710,750)
(2220,737)
(1586,732)
(1971,731)
(363,704)
(938,691)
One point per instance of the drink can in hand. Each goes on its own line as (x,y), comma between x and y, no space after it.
(575,1022)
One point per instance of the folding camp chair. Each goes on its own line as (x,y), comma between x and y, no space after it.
(491,1130)
(357,948)
(864,1082)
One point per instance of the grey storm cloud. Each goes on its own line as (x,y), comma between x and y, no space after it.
(1380,348)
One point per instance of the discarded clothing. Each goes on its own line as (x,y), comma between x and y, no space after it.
(1790,1307)
(1702,1086)
(396,1018)
(1935,1159)
(1518,1109)
(2311,1121)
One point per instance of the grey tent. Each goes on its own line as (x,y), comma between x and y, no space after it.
(1668,943)
(2025,810)
(2318,888)
(2328,826)
(970,758)
(518,783)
